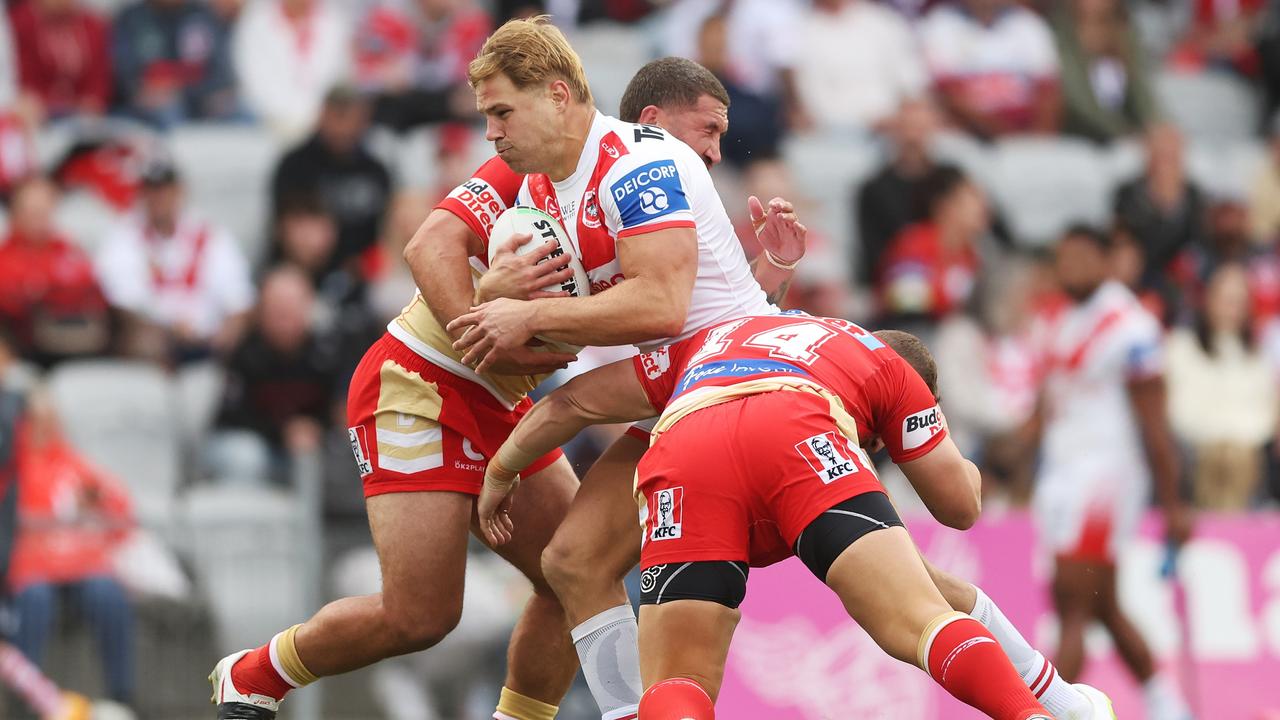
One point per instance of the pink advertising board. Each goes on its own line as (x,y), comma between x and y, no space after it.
(797,656)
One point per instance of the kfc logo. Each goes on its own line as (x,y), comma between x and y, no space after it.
(829,456)
(358,445)
(666,514)
(655,363)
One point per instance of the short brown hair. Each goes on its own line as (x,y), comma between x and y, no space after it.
(669,83)
(530,52)
(913,350)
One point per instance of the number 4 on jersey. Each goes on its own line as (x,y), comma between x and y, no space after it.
(797,342)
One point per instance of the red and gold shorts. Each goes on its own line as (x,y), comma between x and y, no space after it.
(415,427)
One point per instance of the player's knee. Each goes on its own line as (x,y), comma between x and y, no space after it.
(417,629)
(565,566)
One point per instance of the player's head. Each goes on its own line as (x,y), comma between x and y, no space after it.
(1082,261)
(528,83)
(913,350)
(684,98)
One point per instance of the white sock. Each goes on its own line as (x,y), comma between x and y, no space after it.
(610,656)
(1055,694)
(1163,700)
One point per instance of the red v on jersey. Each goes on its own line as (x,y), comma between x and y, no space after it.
(595,246)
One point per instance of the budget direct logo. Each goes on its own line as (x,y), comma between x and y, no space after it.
(918,428)
(648,192)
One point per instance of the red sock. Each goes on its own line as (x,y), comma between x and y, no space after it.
(967,661)
(254,674)
(676,699)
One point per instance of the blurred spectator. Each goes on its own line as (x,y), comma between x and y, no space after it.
(1221,36)
(172,61)
(12,406)
(1222,394)
(64,58)
(994,65)
(1163,207)
(335,166)
(930,268)
(8,63)
(181,283)
(1264,194)
(1106,89)
(986,372)
(48,292)
(287,54)
(751,46)
(890,200)
(282,380)
(391,284)
(1128,262)
(70,519)
(858,63)
(413,59)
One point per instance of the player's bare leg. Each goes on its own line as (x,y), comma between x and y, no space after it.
(1060,697)
(423,566)
(541,661)
(595,547)
(585,570)
(885,587)
(686,639)
(1076,586)
(1163,700)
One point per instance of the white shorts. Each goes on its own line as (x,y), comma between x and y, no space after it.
(1089,509)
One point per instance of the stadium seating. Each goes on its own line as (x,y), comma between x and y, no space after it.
(121,415)
(238,533)
(1208,106)
(227,169)
(611,54)
(826,168)
(1043,185)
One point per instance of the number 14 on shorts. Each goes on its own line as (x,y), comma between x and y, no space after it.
(832,457)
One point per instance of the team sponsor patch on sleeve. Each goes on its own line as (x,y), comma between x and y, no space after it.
(649,192)
(481,201)
(918,428)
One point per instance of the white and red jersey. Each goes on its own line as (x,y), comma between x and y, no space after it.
(878,390)
(635,179)
(1088,354)
(630,179)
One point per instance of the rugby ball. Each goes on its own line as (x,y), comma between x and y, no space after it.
(532,221)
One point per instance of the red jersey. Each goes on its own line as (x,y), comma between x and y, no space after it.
(479,201)
(879,390)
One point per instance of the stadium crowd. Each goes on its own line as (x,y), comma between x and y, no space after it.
(894,125)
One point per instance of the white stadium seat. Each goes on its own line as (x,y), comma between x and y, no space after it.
(826,167)
(611,54)
(1226,169)
(1044,185)
(251,556)
(120,414)
(227,169)
(1208,106)
(198,391)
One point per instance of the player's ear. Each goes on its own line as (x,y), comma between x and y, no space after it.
(650,115)
(560,94)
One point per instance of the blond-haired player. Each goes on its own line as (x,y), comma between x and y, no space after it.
(423,422)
